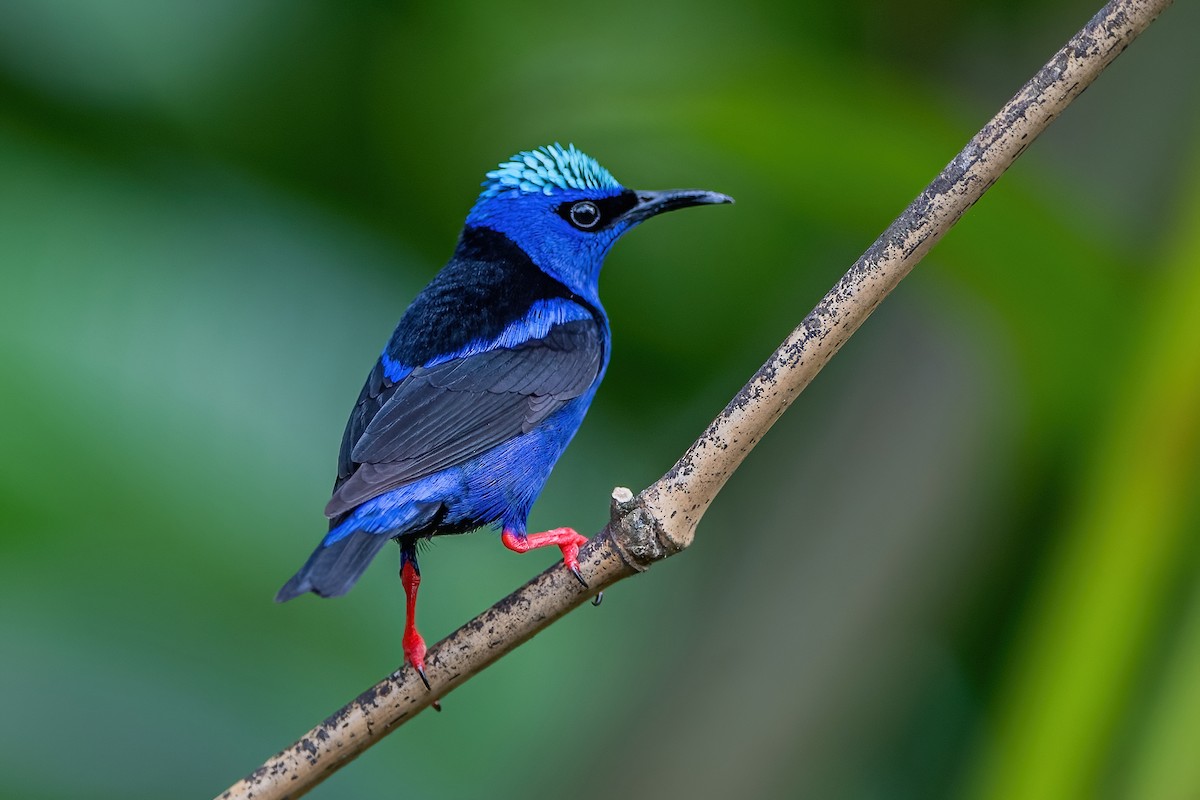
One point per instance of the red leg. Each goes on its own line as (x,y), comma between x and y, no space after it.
(414,645)
(565,539)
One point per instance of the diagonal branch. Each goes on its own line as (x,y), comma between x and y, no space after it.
(662,520)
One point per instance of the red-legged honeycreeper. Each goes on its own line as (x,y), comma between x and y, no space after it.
(486,378)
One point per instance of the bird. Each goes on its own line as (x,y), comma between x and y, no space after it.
(485,379)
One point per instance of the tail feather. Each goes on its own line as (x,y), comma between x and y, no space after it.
(332,569)
(335,566)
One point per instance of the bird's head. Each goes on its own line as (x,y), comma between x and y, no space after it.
(566,211)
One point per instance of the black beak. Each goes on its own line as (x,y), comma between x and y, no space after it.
(651,203)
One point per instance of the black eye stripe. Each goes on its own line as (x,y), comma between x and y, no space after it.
(609,208)
(613,207)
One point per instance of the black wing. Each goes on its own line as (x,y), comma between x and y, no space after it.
(439,417)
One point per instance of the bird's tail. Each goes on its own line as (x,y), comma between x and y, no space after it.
(332,569)
(335,566)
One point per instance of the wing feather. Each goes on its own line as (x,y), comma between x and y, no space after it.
(440,416)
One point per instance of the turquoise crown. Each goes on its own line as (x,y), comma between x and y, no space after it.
(547,170)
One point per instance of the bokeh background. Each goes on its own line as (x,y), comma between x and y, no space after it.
(963,565)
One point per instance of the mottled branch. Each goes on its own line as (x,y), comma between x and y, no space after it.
(662,519)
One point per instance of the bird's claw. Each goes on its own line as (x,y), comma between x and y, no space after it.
(420,668)
(574,568)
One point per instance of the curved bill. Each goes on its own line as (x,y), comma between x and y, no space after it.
(652,203)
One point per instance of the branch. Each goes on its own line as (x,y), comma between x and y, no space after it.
(662,520)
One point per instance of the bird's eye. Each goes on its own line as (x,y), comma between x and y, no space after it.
(585,215)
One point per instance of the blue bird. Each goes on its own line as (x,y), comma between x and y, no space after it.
(486,378)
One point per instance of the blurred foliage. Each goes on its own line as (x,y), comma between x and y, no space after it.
(964,565)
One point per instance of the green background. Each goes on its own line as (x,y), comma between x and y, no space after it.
(964,564)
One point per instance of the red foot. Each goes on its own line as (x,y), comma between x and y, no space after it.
(413,643)
(566,539)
